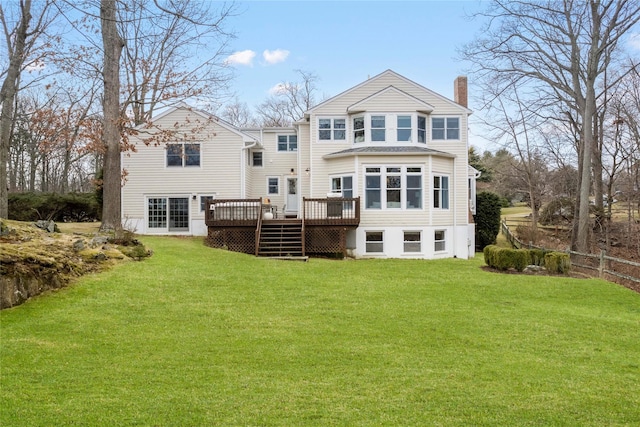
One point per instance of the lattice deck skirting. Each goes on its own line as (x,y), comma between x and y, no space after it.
(319,240)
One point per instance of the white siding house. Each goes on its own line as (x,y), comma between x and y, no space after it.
(398,146)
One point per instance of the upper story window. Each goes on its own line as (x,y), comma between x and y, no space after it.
(422,129)
(183,155)
(287,142)
(358,129)
(378,130)
(445,128)
(390,128)
(403,128)
(256,158)
(332,129)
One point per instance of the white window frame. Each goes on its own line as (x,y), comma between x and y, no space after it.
(369,243)
(183,154)
(334,131)
(441,194)
(277,178)
(253,159)
(355,131)
(446,129)
(407,245)
(292,146)
(384,172)
(166,226)
(439,245)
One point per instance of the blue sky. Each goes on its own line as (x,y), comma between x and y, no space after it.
(344,42)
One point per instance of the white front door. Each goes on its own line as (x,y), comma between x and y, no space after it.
(292,195)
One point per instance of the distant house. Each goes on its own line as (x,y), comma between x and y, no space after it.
(380,170)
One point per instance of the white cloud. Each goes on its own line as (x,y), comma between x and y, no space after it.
(634,41)
(243,57)
(277,89)
(275,56)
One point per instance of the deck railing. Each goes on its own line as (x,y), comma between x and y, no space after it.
(331,211)
(247,212)
(233,212)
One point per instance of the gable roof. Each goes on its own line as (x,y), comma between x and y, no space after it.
(412,101)
(207,116)
(381,75)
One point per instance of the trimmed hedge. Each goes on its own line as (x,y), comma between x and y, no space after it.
(72,207)
(518,259)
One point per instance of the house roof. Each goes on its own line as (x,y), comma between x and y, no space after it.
(397,151)
(223,123)
(412,101)
(385,73)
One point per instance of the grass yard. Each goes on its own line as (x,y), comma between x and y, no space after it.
(195,336)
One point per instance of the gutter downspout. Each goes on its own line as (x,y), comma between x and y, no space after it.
(243,166)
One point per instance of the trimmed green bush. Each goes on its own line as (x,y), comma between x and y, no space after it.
(487,219)
(557,262)
(505,258)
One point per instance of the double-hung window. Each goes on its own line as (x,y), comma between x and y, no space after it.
(445,128)
(342,184)
(403,128)
(358,129)
(372,196)
(332,129)
(441,192)
(422,129)
(256,158)
(440,240)
(394,188)
(378,130)
(182,155)
(412,241)
(273,185)
(374,241)
(414,188)
(287,143)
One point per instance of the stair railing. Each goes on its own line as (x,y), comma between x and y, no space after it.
(259,229)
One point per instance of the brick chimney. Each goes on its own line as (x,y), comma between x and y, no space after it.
(460,91)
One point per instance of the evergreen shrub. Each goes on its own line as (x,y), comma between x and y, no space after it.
(487,219)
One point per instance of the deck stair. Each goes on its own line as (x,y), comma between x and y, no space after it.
(281,239)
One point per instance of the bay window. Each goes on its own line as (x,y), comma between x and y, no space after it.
(403,128)
(358,129)
(378,131)
(402,187)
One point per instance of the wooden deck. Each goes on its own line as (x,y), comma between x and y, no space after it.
(321,226)
(333,211)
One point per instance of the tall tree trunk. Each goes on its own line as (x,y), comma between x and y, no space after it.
(7,98)
(112,45)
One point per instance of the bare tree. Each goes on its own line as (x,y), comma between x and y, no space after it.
(562,50)
(289,101)
(237,113)
(22,46)
(172,51)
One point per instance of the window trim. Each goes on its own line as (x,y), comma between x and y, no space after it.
(277,178)
(165,214)
(384,172)
(202,200)
(183,155)
(439,192)
(289,143)
(442,242)
(332,129)
(253,159)
(405,242)
(368,242)
(446,128)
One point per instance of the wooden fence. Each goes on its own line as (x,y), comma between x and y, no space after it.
(618,270)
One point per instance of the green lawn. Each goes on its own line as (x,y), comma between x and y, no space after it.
(195,336)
